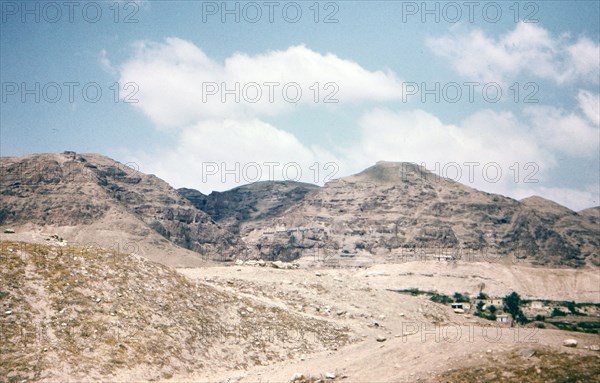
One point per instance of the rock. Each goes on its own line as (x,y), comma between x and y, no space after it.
(341,312)
(277,264)
(528,353)
(382,317)
(330,375)
(381,338)
(318,274)
(570,343)
(595,347)
(298,377)
(9,231)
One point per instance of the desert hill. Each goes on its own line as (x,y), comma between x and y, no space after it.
(88,198)
(74,314)
(387,212)
(391,208)
(256,201)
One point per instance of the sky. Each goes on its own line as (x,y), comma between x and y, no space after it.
(501,96)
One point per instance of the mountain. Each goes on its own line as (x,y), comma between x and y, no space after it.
(252,202)
(394,209)
(89,198)
(388,212)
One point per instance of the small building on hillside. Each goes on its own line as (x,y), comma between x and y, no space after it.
(537,305)
(461,306)
(494,302)
(502,318)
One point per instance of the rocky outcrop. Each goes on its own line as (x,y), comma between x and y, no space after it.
(256,201)
(392,207)
(80,190)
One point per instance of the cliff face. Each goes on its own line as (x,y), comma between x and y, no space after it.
(395,206)
(71,190)
(385,209)
(253,202)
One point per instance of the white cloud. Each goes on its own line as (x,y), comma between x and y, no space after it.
(528,49)
(563,131)
(222,154)
(174,76)
(589,104)
(572,198)
(221,145)
(105,63)
(486,137)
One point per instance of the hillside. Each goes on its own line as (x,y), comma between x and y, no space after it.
(394,209)
(70,313)
(390,212)
(88,198)
(252,202)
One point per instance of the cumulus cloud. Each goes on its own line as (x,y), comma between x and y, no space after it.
(105,63)
(220,145)
(565,132)
(222,154)
(589,104)
(574,199)
(179,84)
(495,151)
(528,49)
(482,144)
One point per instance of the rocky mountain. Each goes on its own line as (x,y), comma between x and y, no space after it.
(399,210)
(252,202)
(388,212)
(90,198)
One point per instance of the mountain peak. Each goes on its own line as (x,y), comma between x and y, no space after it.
(392,172)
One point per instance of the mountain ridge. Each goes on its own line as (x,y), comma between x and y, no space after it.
(370,215)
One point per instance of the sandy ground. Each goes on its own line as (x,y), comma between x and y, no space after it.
(422,339)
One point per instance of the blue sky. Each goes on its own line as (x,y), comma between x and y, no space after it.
(164,67)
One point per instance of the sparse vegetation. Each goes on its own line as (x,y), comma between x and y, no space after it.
(102,311)
(512,305)
(545,366)
(441,298)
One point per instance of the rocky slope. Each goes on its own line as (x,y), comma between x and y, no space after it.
(79,314)
(252,202)
(91,198)
(395,209)
(388,212)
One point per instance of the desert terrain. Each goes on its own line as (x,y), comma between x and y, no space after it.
(109,274)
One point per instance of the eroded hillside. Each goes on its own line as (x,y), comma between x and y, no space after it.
(71,313)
